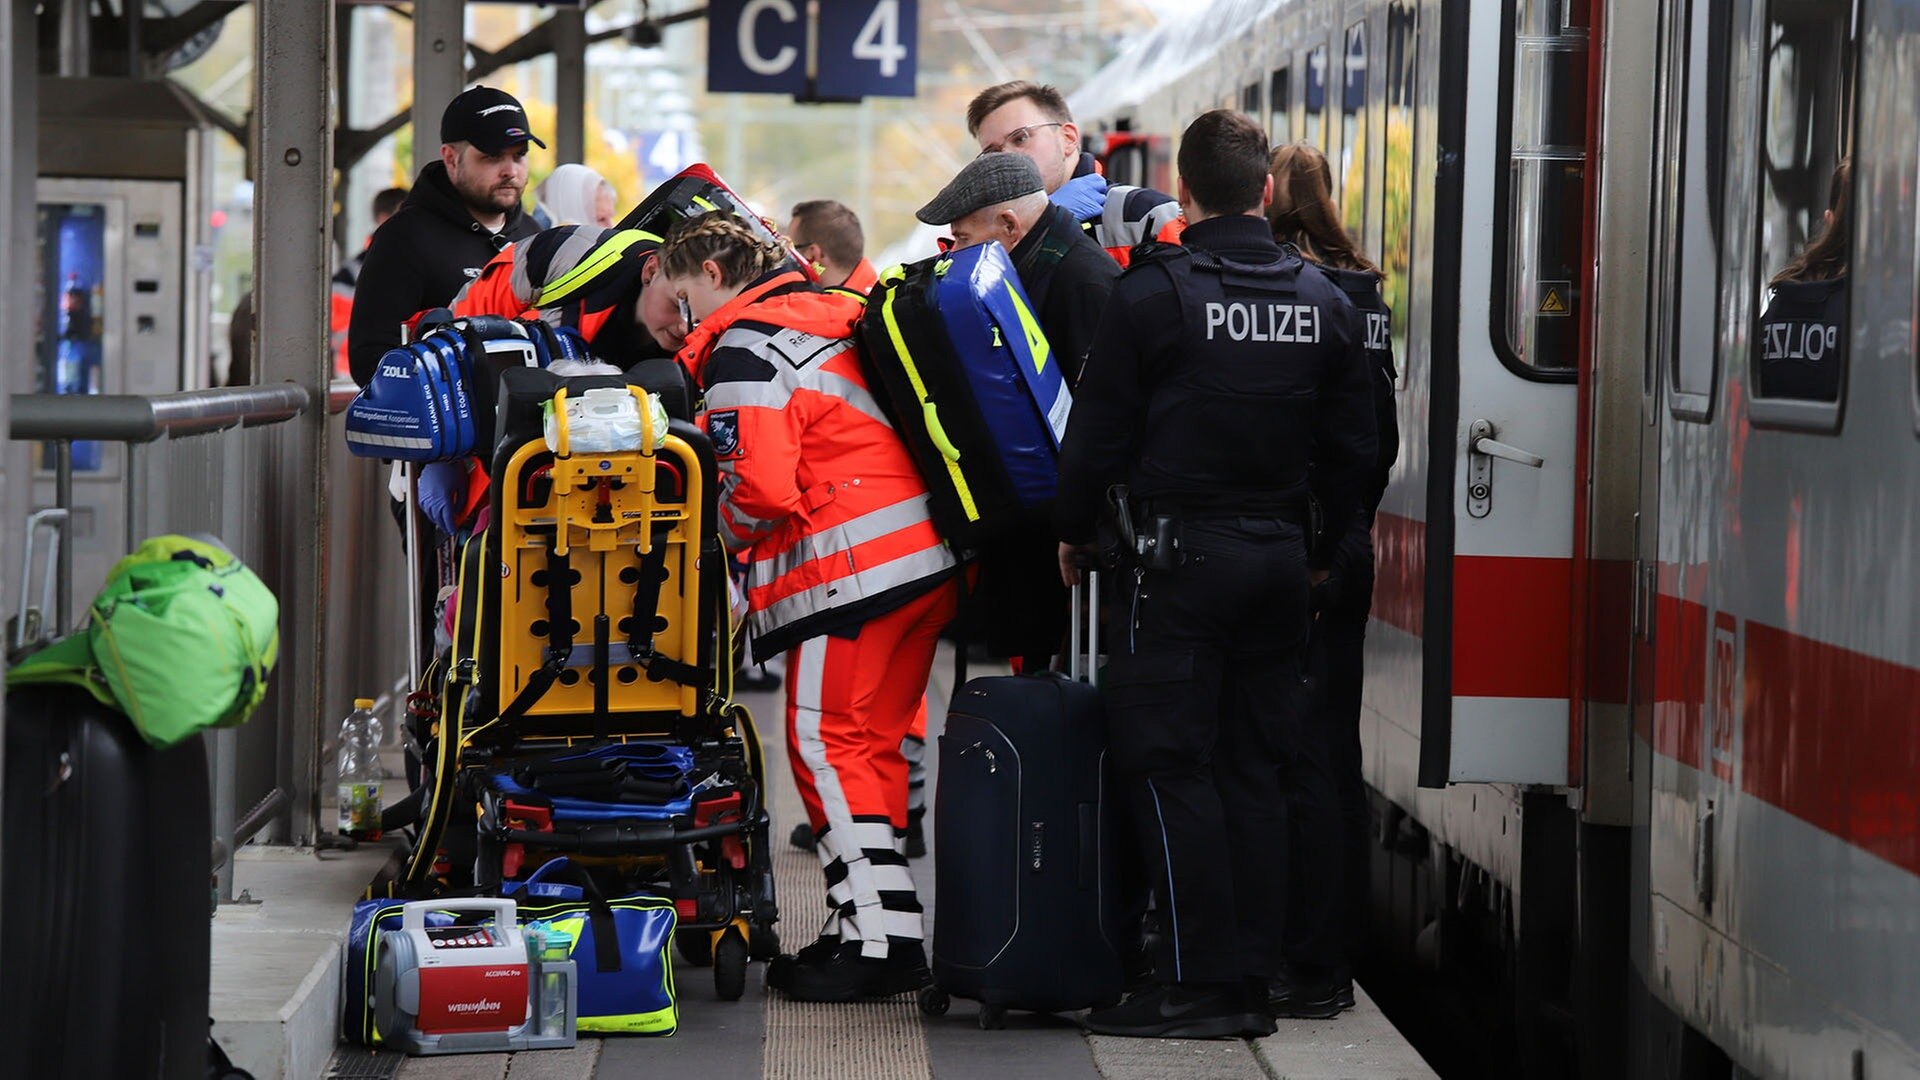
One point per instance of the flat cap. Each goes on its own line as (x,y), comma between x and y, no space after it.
(987,180)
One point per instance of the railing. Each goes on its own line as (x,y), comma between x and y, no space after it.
(211,462)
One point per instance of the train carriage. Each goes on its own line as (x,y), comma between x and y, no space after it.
(1641,696)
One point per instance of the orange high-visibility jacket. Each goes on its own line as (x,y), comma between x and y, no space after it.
(816,485)
(569,276)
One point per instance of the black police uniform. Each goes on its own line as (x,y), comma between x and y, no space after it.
(1226,383)
(1802,345)
(1326,913)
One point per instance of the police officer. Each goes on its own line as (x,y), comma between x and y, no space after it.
(1801,347)
(1226,390)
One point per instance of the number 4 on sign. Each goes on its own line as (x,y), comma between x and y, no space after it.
(879,39)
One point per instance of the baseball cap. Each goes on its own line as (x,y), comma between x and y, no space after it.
(987,180)
(488,118)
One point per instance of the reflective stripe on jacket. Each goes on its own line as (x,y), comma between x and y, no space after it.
(816,485)
(568,276)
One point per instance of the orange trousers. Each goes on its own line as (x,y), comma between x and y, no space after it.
(850,701)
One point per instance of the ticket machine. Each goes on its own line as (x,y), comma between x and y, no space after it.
(124,261)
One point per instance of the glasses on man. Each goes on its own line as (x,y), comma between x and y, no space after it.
(1018,138)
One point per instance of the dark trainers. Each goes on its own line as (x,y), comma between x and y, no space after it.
(845,975)
(1180,1012)
(802,837)
(1303,998)
(916,843)
(781,967)
(1343,993)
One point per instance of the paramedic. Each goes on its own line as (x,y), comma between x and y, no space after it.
(828,235)
(846,574)
(1031,119)
(1226,385)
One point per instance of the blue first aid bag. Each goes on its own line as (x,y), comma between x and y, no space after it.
(955,353)
(432,399)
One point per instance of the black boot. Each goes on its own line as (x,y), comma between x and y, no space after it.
(1178,1011)
(780,968)
(1304,996)
(844,975)
(802,837)
(916,844)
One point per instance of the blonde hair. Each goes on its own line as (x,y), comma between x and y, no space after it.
(1303,212)
(741,253)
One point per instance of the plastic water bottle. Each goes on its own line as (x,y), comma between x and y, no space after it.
(359,761)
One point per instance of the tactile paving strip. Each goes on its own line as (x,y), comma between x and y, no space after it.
(867,1040)
(359,1063)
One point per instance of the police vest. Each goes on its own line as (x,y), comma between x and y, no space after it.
(1230,425)
(1801,348)
(1362,287)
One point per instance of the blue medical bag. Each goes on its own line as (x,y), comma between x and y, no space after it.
(432,400)
(955,352)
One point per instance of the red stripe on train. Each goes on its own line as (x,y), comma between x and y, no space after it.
(1830,737)
(1512,616)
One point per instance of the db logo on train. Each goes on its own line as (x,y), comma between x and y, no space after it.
(1721,713)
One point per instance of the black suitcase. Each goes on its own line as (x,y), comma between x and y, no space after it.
(1025,894)
(106,907)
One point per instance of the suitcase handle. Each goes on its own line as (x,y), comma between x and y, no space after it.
(1089,586)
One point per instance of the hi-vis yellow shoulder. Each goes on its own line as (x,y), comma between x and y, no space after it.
(1030,326)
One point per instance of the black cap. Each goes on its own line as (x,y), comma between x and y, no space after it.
(489,119)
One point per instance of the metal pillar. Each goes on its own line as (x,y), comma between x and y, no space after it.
(76,37)
(19,98)
(292,254)
(570,84)
(439,70)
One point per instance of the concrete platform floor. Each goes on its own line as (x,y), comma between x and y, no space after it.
(767,1035)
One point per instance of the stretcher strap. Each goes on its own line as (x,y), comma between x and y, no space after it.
(646,604)
(559,639)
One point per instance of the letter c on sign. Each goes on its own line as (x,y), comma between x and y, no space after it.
(749,53)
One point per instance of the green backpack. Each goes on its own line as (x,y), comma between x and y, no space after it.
(182,638)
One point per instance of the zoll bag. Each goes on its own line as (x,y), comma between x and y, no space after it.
(433,399)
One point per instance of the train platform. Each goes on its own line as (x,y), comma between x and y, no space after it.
(283,1023)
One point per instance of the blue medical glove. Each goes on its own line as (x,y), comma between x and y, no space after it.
(443,494)
(1083,196)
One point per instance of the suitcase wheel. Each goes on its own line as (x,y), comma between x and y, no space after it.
(991,1017)
(934,1001)
(730,965)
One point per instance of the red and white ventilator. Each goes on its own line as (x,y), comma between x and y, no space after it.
(473,987)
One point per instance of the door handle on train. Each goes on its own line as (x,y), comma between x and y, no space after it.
(1482,448)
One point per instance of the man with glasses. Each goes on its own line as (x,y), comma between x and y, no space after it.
(1027,118)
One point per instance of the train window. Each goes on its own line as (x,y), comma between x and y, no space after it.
(1396,194)
(1316,132)
(1540,285)
(1280,102)
(1798,355)
(1353,132)
(1250,102)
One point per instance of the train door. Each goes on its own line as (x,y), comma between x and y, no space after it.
(1501,494)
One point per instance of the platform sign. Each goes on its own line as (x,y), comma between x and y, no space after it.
(757,47)
(863,48)
(868,48)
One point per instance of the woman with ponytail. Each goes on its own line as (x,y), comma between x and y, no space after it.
(1328,871)
(846,574)
(1801,348)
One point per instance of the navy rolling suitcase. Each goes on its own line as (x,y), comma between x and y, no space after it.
(1025,894)
(105,917)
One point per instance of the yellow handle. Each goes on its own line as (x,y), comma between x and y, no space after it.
(560,422)
(938,433)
